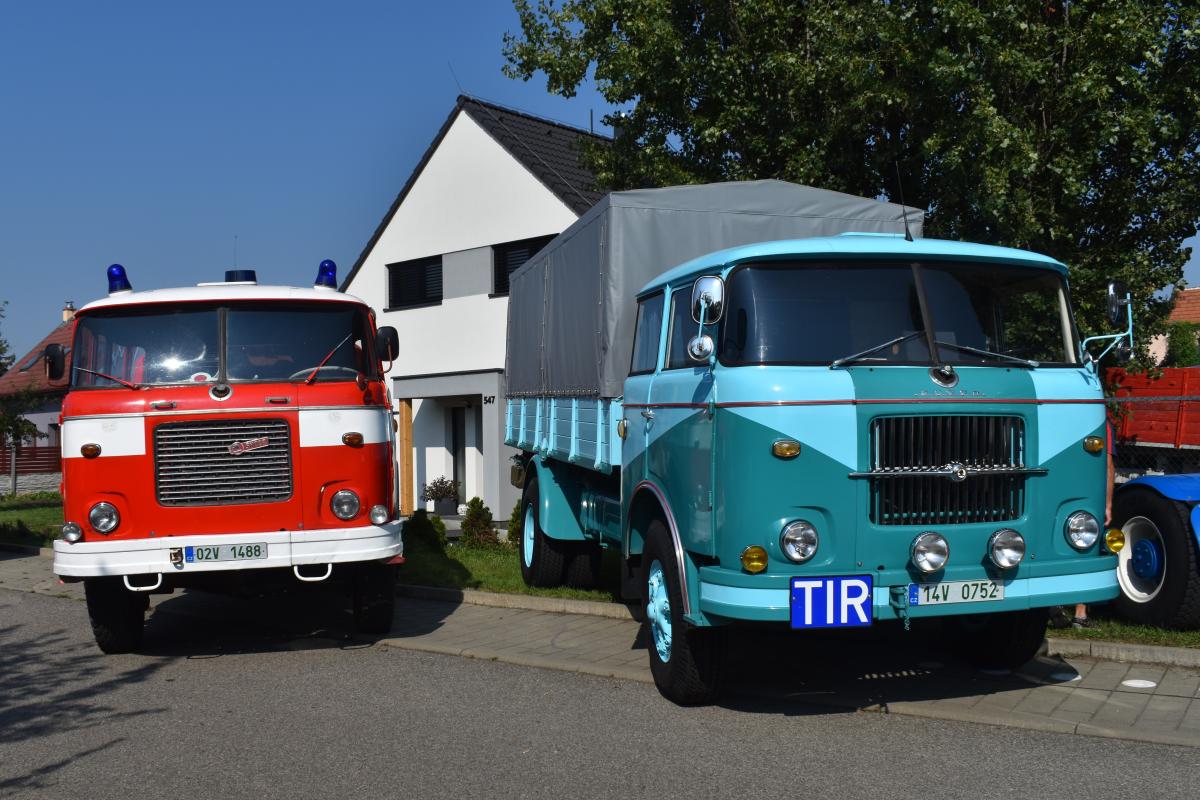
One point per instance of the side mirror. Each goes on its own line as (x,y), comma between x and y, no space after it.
(700,348)
(1117,294)
(387,343)
(1122,354)
(55,356)
(708,293)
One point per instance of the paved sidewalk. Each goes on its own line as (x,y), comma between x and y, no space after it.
(883,670)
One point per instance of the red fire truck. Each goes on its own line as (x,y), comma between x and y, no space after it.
(227,435)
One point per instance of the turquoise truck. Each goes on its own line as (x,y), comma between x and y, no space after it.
(815,420)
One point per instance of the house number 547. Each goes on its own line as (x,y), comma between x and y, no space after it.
(489,399)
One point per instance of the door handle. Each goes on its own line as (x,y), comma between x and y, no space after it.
(647,414)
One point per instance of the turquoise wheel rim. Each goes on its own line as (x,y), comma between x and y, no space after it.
(658,610)
(527,536)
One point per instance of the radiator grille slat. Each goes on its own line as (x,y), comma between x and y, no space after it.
(193,465)
(905,444)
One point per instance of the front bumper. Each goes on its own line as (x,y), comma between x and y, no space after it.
(284,549)
(725,595)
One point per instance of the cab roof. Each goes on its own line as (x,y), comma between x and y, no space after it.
(848,245)
(216,292)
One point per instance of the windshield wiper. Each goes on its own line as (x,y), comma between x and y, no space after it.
(313,375)
(841,362)
(108,377)
(962,348)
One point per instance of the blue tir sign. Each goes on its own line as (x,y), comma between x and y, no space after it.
(843,602)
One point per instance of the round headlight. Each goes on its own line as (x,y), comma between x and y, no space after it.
(345,504)
(379,515)
(104,517)
(799,541)
(1082,530)
(71,532)
(930,551)
(1006,548)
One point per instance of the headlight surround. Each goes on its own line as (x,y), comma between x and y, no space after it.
(930,551)
(345,504)
(104,517)
(799,541)
(1082,530)
(1006,548)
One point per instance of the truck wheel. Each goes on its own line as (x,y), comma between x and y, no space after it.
(688,663)
(583,566)
(117,614)
(998,641)
(542,558)
(374,598)
(1157,567)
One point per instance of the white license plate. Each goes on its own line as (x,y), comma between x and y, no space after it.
(225,552)
(936,594)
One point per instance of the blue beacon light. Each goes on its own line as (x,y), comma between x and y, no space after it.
(118,281)
(326,275)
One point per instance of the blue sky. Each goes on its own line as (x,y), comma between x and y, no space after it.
(152,133)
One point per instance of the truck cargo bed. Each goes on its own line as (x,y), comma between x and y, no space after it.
(578,430)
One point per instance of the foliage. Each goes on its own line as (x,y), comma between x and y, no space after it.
(477,528)
(1068,128)
(440,489)
(6,355)
(13,426)
(425,529)
(1182,347)
(31,519)
(516,521)
(32,500)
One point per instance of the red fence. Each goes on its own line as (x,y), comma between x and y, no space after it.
(31,460)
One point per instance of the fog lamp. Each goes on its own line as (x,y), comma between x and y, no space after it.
(1093,444)
(71,532)
(754,559)
(1114,540)
(1082,530)
(785,448)
(930,551)
(1006,548)
(799,541)
(345,504)
(104,517)
(379,515)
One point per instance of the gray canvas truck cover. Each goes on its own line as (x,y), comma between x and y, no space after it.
(572,307)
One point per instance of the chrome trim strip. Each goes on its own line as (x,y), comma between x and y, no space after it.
(675,540)
(199,412)
(946,472)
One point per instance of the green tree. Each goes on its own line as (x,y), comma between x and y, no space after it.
(1183,350)
(6,356)
(1070,128)
(13,425)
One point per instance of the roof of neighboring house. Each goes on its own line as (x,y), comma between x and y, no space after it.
(549,150)
(29,371)
(1187,306)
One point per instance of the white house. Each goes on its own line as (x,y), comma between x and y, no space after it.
(493,188)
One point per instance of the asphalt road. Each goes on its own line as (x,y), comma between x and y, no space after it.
(273,698)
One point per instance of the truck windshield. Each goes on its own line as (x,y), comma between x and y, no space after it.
(816,313)
(182,344)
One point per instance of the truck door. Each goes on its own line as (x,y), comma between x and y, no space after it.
(679,444)
(639,417)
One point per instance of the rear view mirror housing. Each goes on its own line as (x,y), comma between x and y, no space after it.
(387,343)
(1118,298)
(55,356)
(708,299)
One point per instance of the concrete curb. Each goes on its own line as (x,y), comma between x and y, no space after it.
(1121,651)
(558,605)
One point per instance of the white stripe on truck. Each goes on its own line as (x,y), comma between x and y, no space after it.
(324,427)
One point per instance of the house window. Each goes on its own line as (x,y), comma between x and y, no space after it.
(415,283)
(508,258)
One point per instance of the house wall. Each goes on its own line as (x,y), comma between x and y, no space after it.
(470,195)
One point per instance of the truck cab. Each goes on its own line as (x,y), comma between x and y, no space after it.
(223,435)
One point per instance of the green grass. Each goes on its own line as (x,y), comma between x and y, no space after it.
(1108,629)
(31,519)
(490,569)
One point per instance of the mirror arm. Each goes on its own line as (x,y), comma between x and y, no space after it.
(712,357)
(1113,339)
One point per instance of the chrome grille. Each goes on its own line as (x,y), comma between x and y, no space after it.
(194,464)
(947,470)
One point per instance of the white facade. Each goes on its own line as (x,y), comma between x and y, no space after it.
(469,195)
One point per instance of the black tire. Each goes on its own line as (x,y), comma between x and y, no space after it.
(1176,601)
(118,615)
(998,641)
(543,560)
(583,566)
(693,671)
(374,598)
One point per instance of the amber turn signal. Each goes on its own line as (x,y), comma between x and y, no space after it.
(352,439)
(754,559)
(1114,540)
(89,450)
(1093,444)
(785,448)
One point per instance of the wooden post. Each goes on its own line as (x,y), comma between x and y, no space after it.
(405,460)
